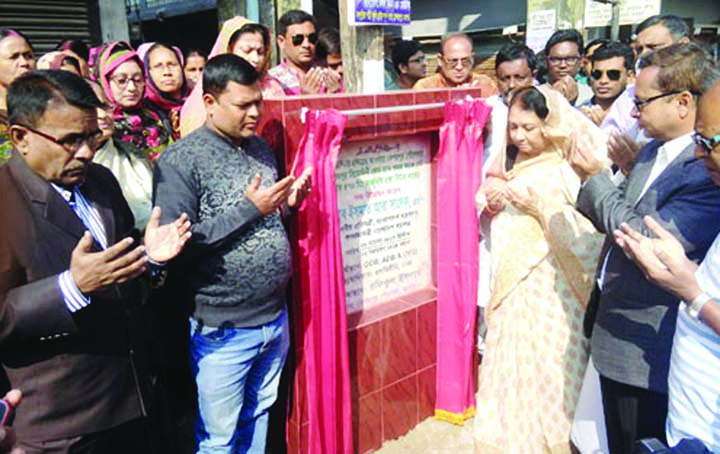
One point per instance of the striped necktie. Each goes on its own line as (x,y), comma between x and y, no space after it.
(89,216)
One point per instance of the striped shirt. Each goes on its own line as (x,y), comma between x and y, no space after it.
(694,378)
(74,299)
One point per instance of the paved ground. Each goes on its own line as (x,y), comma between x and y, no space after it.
(433,437)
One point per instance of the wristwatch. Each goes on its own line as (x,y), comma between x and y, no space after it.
(695,306)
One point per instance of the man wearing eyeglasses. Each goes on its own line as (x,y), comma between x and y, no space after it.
(635,319)
(455,64)
(694,380)
(612,65)
(563,55)
(299,73)
(73,319)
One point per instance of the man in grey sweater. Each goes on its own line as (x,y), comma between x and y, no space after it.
(238,261)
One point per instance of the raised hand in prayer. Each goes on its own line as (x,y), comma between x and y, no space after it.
(312,81)
(269,199)
(582,158)
(661,259)
(526,201)
(331,80)
(568,87)
(623,150)
(300,189)
(596,114)
(164,242)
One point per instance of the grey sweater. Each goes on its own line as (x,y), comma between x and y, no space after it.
(237,261)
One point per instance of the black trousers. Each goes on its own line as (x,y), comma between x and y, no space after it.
(130,437)
(631,414)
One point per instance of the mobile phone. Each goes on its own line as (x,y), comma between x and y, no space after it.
(7,413)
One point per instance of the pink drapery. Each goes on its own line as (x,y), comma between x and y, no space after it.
(320,290)
(459,170)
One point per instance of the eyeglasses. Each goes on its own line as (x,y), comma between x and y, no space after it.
(122,82)
(464,62)
(417,60)
(300,38)
(641,103)
(72,142)
(572,60)
(613,74)
(704,143)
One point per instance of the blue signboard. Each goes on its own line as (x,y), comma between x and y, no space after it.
(379,12)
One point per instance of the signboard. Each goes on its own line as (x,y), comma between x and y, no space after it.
(540,27)
(378,12)
(384,202)
(631,12)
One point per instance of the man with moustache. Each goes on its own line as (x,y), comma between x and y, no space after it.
(694,380)
(635,322)
(455,63)
(73,324)
(237,264)
(298,73)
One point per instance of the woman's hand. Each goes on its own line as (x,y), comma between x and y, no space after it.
(526,201)
(494,190)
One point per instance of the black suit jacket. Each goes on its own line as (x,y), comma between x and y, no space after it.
(80,372)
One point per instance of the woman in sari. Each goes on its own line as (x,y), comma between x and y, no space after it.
(166,88)
(121,75)
(16,58)
(245,39)
(544,255)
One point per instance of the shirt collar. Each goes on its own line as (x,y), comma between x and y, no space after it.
(673,148)
(66,194)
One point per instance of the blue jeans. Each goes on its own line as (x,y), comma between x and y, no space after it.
(237,371)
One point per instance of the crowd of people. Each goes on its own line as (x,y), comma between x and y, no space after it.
(599,212)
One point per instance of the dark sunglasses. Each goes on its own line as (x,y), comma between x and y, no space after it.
(704,143)
(613,74)
(299,38)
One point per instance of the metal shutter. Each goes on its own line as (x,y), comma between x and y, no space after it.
(47,23)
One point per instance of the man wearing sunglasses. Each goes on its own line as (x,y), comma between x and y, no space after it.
(73,324)
(299,73)
(612,65)
(635,319)
(694,380)
(455,63)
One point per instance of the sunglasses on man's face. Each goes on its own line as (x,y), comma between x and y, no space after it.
(613,74)
(300,38)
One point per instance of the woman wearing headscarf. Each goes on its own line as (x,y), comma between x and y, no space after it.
(245,39)
(60,59)
(121,75)
(544,254)
(166,89)
(16,58)
(128,163)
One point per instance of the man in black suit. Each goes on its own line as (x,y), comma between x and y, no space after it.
(633,334)
(72,278)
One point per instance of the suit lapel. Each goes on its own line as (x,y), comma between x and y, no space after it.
(673,166)
(44,199)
